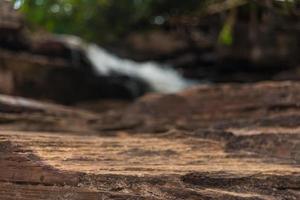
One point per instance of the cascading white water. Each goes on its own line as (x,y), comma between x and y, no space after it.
(160,78)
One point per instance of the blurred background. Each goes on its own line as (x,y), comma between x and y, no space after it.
(78,51)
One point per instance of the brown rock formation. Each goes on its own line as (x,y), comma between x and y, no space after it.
(11,27)
(48,67)
(209,142)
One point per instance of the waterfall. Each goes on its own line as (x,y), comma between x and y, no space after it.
(160,78)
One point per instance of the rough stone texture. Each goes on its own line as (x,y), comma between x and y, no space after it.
(209,142)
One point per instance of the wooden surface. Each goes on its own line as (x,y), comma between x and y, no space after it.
(208,142)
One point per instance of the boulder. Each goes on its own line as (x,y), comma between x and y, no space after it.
(49,67)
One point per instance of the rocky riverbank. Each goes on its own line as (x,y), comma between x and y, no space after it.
(209,142)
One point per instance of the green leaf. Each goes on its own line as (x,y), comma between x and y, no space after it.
(226,36)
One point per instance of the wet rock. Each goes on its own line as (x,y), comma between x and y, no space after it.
(49,67)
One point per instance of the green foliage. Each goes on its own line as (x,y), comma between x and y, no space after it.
(225,36)
(101,20)
(110,20)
